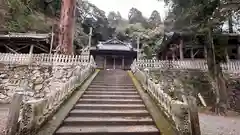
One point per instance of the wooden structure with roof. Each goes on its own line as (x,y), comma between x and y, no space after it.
(24,42)
(180,46)
(114,54)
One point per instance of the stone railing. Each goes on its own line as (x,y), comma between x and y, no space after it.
(35,112)
(175,110)
(231,67)
(43,59)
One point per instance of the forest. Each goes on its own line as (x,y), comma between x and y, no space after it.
(42,15)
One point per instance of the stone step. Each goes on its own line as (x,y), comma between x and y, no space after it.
(110,101)
(112,89)
(112,113)
(111,86)
(109,106)
(126,81)
(107,121)
(111,96)
(118,82)
(102,92)
(108,130)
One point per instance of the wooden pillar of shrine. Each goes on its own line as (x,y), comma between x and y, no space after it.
(181,50)
(238,51)
(205,52)
(192,55)
(123,63)
(105,62)
(226,54)
(114,62)
(173,55)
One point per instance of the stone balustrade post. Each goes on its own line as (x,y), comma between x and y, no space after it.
(147,76)
(181,117)
(13,116)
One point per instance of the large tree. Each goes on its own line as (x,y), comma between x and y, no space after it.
(135,16)
(114,19)
(155,19)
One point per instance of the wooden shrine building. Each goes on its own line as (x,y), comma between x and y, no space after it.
(113,54)
(22,42)
(180,46)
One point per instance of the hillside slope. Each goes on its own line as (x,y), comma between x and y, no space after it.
(28,15)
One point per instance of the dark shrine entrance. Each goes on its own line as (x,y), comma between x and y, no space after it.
(115,62)
(113,54)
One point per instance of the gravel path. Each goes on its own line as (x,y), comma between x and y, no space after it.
(219,125)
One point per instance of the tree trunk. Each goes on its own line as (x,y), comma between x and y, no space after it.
(66,31)
(218,82)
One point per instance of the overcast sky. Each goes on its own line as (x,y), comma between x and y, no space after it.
(123,6)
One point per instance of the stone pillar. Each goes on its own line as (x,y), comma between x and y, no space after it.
(66,28)
(181,50)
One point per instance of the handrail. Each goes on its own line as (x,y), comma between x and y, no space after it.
(176,110)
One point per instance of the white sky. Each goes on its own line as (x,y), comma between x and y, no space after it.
(123,6)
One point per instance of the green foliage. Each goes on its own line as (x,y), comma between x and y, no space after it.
(148,51)
(30,15)
(149,30)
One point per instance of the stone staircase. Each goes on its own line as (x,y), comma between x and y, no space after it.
(110,106)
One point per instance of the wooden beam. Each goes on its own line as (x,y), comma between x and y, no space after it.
(195,53)
(43,49)
(42,46)
(12,50)
(18,49)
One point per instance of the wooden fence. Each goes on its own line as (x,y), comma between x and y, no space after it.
(43,59)
(232,66)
